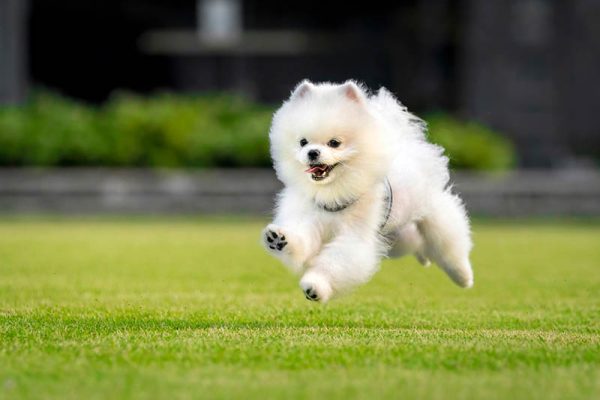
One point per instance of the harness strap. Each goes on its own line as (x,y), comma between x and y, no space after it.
(389,203)
(389,197)
(336,208)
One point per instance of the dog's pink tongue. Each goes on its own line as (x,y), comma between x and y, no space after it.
(314,169)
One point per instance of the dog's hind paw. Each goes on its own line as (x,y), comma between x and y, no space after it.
(274,238)
(424,261)
(311,293)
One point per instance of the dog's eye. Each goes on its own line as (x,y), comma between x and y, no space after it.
(303,142)
(334,143)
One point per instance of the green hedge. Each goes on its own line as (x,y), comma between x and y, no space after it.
(470,145)
(162,131)
(169,130)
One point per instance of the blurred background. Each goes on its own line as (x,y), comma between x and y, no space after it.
(176,97)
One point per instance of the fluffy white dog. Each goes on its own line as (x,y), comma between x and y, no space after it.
(361,182)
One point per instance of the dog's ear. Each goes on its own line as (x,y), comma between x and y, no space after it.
(302,90)
(352,92)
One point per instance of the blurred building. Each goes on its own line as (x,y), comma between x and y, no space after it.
(526,67)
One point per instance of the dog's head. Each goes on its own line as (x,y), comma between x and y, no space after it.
(326,140)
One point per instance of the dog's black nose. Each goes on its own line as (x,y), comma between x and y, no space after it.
(313,155)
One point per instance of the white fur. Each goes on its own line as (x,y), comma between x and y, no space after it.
(336,251)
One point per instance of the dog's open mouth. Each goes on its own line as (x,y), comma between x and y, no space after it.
(320,171)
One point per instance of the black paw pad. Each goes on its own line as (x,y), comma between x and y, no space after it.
(275,241)
(311,294)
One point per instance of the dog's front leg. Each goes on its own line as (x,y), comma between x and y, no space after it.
(293,243)
(350,259)
(293,237)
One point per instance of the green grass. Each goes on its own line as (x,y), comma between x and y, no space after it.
(173,308)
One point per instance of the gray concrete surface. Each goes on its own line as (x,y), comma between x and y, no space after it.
(252,191)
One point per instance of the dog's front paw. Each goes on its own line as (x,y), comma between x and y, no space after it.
(274,238)
(316,287)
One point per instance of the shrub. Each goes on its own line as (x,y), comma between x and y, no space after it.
(165,130)
(470,145)
(173,130)
(51,130)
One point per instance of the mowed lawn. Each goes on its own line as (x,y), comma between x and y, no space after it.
(194,308)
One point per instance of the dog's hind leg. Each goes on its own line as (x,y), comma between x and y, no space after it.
(422,259)
(408,240)
(447,238)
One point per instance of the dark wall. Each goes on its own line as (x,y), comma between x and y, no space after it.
(407,46)
(525,67)
(528,70)
(87,49)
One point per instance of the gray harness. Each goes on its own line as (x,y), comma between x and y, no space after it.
(388,200)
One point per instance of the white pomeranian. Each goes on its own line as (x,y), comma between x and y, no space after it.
(361,182)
